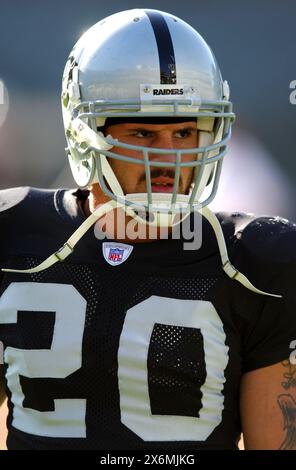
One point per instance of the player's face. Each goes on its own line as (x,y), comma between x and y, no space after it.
(168,136)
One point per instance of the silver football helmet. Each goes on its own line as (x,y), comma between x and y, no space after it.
(145,63)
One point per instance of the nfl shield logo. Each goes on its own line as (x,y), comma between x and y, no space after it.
(115,255)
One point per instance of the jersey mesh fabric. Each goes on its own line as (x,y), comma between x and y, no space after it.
(178,376)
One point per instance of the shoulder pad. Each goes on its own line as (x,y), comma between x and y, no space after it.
(11,197)
(270,237)
(234,222)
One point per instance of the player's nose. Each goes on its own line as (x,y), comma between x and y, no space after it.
(163,141)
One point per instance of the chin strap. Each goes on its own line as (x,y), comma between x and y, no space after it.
(226,264)
(68,247)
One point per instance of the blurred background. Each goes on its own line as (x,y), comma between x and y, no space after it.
(254,42)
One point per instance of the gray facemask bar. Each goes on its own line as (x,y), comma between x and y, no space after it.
(130,108)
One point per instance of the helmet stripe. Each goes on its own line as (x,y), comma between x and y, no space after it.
(166,54)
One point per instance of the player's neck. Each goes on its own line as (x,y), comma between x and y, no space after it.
(117,225)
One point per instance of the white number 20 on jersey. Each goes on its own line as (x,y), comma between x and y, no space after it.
(65,357)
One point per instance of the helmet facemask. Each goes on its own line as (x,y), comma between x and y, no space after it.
(90,154)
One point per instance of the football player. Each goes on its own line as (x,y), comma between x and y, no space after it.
(116,333)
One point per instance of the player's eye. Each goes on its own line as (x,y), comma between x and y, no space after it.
(141,133)
(183,133)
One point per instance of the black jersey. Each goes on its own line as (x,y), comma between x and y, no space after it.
(142,354)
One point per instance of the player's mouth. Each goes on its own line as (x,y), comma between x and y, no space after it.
(162,184)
